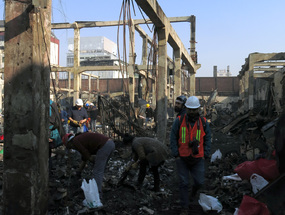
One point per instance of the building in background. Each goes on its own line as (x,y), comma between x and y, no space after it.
(95,51)
(221,72)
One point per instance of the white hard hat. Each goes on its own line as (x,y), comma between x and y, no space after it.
(92,104)
(192,102)
(79,102)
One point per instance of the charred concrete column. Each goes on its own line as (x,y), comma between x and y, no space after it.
(177,73)
(161,101)
(131,67)
(76,64)
(246,89)
(27,85)
(153,87)
(193,39)
(241,88)
(192,84)
(215,71)
(144,51)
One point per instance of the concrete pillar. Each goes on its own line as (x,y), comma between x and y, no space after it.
(177,73)
(215,71)
(192,84)
(131,67)
(27,84)
(161,107)
(193,39)
(76,65)
(144,51)
(278,90)
(89,87)
(69,84)
(228,71)
(251,86)
(250,80)
(153,87)
(246,88)
(56,79)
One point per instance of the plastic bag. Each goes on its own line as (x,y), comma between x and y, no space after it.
(257,183)
(209,203)
(234,177)
(217,155)
(251,206)
(266,168)
(92,199)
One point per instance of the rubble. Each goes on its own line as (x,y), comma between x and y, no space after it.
(249,138)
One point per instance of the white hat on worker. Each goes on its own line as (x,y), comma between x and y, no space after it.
(79,102)
(192,102)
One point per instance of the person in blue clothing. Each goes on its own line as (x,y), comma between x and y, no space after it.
(64,119)
(78,117)
(190,144)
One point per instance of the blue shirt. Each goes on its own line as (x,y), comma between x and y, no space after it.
(77,114)
(63,115)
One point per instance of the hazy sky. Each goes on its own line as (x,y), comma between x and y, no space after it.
(227,31)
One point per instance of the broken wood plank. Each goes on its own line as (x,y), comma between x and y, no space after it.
(235,122)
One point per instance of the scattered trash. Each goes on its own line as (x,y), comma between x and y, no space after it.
(92,199)
(251,206)
(234,177)
(257,182)
(209,203)
(217,155)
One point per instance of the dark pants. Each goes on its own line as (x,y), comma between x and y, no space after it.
(142,174)
(197,172)
(102,157)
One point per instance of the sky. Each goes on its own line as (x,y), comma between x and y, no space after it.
(227,31)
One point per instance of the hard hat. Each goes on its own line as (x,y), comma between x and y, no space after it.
(147,105)
(181,99)
(92,104)
(192,102)
(86,104)
(79,102)
(66,138)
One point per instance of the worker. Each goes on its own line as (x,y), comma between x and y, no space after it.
(89,144)
(78,117)
(64,119)
(93,111)
(190,143)
(179,107)
(147,152)
(148,114)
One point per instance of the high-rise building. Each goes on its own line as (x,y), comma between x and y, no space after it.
(95,51)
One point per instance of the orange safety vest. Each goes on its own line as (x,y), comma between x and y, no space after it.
(187,134)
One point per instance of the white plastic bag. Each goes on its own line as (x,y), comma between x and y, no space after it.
(209,203)
(217,155)
(257,182)
(234,177)
(92,199)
